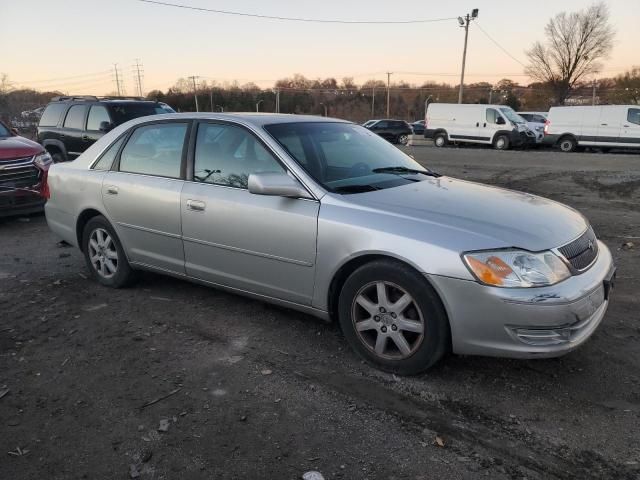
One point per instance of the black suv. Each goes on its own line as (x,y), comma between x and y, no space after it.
(69,125)
(395,131)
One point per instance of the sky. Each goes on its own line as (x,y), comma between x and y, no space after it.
(72,45)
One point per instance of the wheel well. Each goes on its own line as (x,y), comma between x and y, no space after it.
(53,149)
(84,217)
(440,131)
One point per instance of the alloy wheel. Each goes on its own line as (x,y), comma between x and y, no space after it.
(103,253)
(387,320)
(403,139)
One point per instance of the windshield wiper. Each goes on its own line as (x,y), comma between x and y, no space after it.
(400,169)
(355,188)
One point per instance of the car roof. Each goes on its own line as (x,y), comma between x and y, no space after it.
(253,118)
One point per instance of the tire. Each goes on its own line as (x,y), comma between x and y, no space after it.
(567,144)
(104,255)
(501,142)
(58,157)
(404,332)
(402,139)
(440,140)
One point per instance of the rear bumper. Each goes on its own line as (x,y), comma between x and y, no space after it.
(527,322)
(551,139)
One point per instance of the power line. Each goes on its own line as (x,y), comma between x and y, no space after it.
(54,80)
(295,19)
(499,46)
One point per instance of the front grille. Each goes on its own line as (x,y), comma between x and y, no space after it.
(19,173)
(582,252)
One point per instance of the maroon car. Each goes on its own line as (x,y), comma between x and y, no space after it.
(23,174)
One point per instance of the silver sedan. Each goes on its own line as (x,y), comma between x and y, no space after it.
(325,217)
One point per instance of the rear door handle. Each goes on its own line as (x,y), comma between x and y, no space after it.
(604,124)
(112,190)
(477,124)
(85,138)
(484,124)
(196,205)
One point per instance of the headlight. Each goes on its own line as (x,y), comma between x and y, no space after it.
(516,268)
(42,159)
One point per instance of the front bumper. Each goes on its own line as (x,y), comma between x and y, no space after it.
(20,203)
(527,322)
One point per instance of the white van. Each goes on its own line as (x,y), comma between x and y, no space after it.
(603,126)
(496,125)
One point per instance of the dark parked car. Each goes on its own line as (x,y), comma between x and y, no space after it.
(418,127)
(395,131)
(70,125)
(23,174)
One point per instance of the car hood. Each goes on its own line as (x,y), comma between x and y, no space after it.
(479,216)
(16,147)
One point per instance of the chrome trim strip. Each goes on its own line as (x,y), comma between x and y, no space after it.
(149,230)
(248,252)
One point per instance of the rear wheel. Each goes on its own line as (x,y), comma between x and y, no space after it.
(403,139)
(104,254)
(440,140)
(393,318)
(501,142)
(568,144)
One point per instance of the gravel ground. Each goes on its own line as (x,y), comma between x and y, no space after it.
(248,390)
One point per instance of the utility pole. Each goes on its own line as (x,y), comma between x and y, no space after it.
(490,96)
(277,100)
(211,99)
(388,91)
(195,90)
(373,101)
(593,98)
(138,76)
(464,23)
(115,68)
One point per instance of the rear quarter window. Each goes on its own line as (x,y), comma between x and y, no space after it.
(51,115)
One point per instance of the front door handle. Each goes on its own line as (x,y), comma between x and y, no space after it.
(196,205)
(604,124)
(85,138)
(477,124)
(484,124)
(112,190)
(626,126)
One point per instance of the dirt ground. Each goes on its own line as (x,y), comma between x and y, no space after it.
(258,392)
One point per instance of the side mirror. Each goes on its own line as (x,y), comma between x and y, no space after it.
(276,184)
(105,126)
(15,131)
(500,121)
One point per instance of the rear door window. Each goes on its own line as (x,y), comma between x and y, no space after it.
(75,117)
(51,115)
(155,150)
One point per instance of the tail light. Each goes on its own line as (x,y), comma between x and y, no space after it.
(546,126)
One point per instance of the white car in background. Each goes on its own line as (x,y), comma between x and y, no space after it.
(535,122)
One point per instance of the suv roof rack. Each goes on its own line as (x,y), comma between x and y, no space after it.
(94,98)
(64,98)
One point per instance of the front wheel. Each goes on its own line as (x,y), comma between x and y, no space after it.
(440,140)
(104,254)
(403,139)
(393,318)
(501,142)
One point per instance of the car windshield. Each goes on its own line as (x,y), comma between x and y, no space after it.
(122,112)
(347,158)
(4,131)
(512,116)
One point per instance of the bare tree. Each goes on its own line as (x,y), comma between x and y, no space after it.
(575,43)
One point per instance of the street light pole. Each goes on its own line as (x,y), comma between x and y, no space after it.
(325,108)
(464,23)
(258,105)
